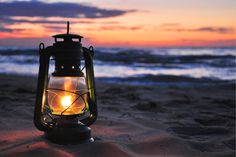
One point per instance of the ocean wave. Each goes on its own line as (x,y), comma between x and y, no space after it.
(128,62)
(165,80)
(134,57)
(14,52)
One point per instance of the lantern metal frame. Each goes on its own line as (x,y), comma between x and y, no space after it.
(67,52)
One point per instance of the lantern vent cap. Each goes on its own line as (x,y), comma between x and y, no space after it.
(67,36)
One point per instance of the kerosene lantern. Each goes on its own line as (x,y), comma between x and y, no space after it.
(66,101)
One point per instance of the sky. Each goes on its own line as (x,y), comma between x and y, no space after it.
(120,23)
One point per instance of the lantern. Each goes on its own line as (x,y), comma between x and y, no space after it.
(66,101)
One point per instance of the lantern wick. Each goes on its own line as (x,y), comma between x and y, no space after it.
(68,27)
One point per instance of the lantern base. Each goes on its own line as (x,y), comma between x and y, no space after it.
(65,135)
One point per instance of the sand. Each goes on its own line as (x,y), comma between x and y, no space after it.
(160,121)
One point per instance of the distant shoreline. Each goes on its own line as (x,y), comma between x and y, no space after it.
(131,47)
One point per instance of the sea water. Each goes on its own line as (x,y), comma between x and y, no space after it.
(138,64)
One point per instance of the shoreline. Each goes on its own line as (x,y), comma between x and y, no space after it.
(133,120)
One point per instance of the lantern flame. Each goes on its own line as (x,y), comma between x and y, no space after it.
(66,101)
(67,95)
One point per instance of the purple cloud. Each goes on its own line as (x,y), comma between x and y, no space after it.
(170,24)
(59,9)
(215,29)
(119,27)
(222,30)
(41,9)
(3,29)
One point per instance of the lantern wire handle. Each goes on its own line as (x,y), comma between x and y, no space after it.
(41,46)
(68,27)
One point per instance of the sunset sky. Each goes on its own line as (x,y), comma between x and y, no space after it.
(115,23)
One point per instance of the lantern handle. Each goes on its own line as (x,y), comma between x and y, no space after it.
(44,57)
(41,46)
(90,81)
(91,50)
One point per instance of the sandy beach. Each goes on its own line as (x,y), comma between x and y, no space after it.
(137,121)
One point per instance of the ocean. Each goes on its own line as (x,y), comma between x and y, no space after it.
(139,65)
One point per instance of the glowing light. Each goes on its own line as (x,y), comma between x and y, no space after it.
(66,101)
(66,95)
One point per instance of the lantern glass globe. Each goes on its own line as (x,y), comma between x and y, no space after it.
(67,95)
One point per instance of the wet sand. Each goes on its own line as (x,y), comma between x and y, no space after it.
(160,121)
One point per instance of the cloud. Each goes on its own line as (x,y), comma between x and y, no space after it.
(170,24)
(214,43)
(9,20)
(118,27)
(3,29)
(46,10)
(214,29)
(41,9)
(51,15)
(222,30)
